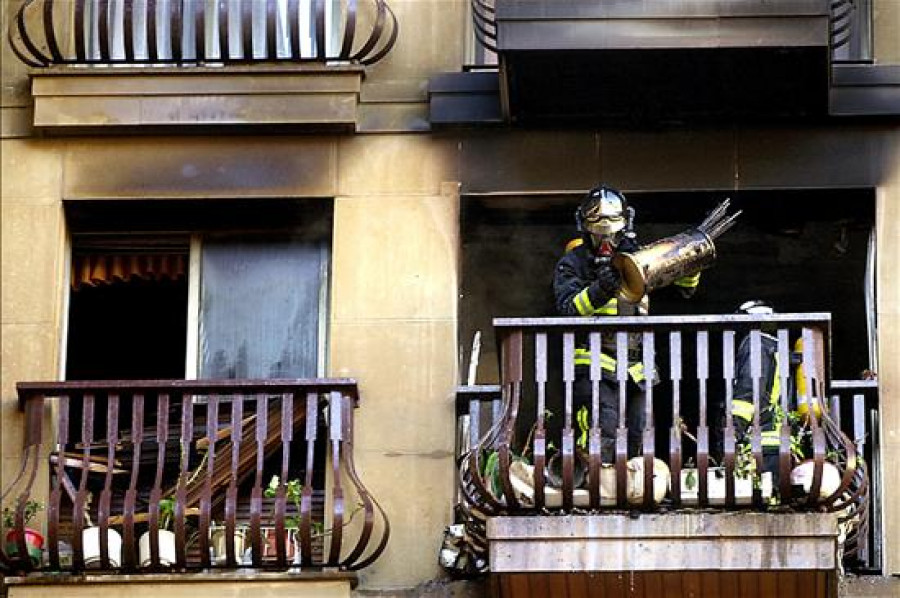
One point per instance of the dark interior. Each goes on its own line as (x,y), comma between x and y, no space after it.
(801,251)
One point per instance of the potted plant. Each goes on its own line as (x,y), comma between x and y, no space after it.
(166,537)
(218,536)
(294,493)
(90,542)
(34,541)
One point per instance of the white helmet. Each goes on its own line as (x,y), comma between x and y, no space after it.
(755,307)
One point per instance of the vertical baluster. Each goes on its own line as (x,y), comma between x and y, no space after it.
(814,377)
(162,435)
(237,434)
(512,366)
(223,20)
(595,440)
(177,12)
(102,16)
(321,50)
(80,45)
(703,425)
(152,39)
(540,432)
(568,433)
(246,11)
(474,421)
(129,559)
(59,481)
(784,448)
(496,412)
(859,438)
(128,30)
(649,439)
(78,515)
(104,509)
(271,30)
(312,413)
(728,434)
(200,31)
(336,434)
(622,429)
(293,22)
(212,428)
(187,440)
(759,387)
(256,495)
(675,449)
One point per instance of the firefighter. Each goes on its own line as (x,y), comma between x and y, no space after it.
(586,284)
(742,409)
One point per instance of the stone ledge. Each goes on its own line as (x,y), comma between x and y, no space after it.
(666,542)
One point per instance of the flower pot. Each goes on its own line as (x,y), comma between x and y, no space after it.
(715,487)
(217,541)
(635,480)
(166,549)
(90,545)
(270,547)
(34,544)
(554,470)
(802,477)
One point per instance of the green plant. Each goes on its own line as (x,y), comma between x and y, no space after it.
(166,513)
(32,508)
(294,493)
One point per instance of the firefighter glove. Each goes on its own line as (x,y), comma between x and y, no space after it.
(608,280)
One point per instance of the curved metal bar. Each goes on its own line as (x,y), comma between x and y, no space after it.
(271,31)
(351,562)
(392,39)
(23,35)
(293,23)
(312,415)
(212,428)
(231,493)
(321,52)
(53,506)
(187,437)
(349,30)
(104,507)
(336,438)
(223,19)
(49,33)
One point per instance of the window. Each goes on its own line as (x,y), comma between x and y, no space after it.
(218,302)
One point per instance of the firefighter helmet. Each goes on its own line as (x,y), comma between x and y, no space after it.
(603,212)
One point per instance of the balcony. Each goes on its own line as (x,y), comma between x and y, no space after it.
(188,476)
(704,494)
(169,64)
(651,62)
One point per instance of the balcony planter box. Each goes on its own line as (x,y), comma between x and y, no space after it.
(802,477)
(90,543)
(166,548)
(715,479)
(522,479)
(34,544)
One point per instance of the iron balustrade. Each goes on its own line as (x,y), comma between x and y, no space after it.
(207,449)
(854,408)
(690,364)
(157,32)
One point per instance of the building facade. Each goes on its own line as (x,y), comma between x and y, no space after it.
(420,191)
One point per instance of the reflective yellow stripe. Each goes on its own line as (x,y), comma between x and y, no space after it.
(583,357)
(776,384)
(610,309)
(689,281)
(583,303)
(636,371)
(771,437)
(582,418)
(573,244)
(742,409)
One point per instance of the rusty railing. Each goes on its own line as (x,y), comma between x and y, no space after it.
(243,473)
(95,32)
(690,367)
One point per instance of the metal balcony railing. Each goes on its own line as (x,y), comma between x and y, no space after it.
(690,455)
(158,32)
(239,473)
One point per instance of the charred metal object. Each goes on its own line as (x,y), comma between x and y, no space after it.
(663,262)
